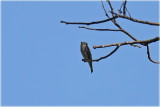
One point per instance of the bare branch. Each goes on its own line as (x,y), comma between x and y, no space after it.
(129,43)
(99,29)
(136,20)
(104,56)
(118,15)
(90,23)
(149,57)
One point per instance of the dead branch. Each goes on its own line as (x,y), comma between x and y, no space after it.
(99,29)
(143,42)
(89,23)
(136,20)
(115,17)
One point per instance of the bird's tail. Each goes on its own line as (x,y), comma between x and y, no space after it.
(90,65)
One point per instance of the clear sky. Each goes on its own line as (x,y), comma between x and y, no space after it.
(41,59)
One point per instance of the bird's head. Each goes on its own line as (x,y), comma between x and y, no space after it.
(84,43)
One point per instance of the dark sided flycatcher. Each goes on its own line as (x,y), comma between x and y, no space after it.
(86,54)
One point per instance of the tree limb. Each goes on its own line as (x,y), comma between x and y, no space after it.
(129,43)
(136,20)
(89,23)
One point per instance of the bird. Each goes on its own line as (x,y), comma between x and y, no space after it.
(86,53)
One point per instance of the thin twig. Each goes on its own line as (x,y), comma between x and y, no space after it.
(104,9)
(149,57)
(120,9)
(89,23)
(99,29)
(124,7)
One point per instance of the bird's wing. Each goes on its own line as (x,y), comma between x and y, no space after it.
(82,51)
(88,52)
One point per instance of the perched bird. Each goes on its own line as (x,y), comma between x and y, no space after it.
(86,54)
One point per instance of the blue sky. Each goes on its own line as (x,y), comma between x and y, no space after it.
(41,59)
